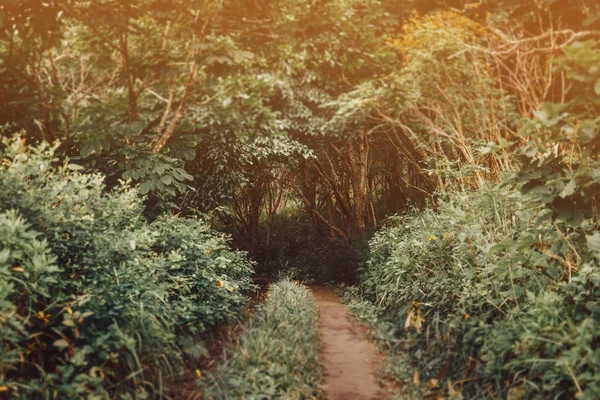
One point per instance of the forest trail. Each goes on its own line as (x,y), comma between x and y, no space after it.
(350,361)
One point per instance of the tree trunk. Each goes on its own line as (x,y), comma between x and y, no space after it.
(179,114)
(123,46)
(358,167)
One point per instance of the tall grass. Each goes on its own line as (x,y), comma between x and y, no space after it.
(278,355)
(484,298)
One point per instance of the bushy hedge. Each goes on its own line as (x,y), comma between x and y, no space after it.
(96,302)
(487,297)
(278,355)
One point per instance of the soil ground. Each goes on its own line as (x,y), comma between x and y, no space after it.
(349,360)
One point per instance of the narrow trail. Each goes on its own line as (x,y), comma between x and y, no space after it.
(349,359)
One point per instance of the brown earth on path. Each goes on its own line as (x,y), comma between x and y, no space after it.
(349,360)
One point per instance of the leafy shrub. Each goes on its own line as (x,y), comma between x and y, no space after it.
(278,356)
(216,277)
(94,301)
(497,293)
(485,297)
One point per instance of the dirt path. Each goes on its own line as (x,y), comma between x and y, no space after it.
(349,360)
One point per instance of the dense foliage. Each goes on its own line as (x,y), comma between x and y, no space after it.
(348,110)
(482,298)
(496,293)
(95,301)
(278,355)
(300,128)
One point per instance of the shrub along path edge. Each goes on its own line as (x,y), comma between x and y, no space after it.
(349,360)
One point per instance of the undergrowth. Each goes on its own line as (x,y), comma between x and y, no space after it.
(95,301)
(278,355)
(496,294)
(485,298)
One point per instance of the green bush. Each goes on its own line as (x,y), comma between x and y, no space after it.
(95,301)
(496,294)
(278,355)
(486,297)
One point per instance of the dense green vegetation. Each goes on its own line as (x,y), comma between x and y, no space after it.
(441,155)
(278,355)
(494,294)
(95,301)
(483,299)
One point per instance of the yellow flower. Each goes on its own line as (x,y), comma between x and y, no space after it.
(43,316)
(414,317)
(432,237)
(220,284)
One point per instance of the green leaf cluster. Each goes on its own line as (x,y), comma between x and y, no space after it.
(95,301)
(485,298)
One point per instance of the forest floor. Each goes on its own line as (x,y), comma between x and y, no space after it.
(349,360)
